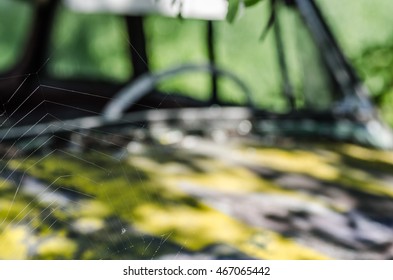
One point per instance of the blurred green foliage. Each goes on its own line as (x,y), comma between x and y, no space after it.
(365,31)
(376,67)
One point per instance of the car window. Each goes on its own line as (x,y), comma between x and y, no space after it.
(172,42)
(255,61)
(89,46)
(13,33)
(237,48)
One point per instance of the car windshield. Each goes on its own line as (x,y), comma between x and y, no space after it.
(86,54)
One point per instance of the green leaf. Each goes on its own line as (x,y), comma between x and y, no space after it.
(249,3)
(233,8)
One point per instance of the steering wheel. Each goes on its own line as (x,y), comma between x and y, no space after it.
(146,83)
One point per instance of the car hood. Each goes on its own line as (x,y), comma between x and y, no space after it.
(187,196)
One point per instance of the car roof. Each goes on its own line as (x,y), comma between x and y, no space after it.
(200,9)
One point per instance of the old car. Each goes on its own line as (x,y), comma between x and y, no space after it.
(120,142)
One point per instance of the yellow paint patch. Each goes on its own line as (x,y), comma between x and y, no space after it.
(217,175)
(227,179)
(144,163)
(88,225)
(14,210)
(367,154)
(56,247)
(195,227)
(14,243)
(320,167)
(221,177)
(89,208)
(198,228)
(270,245)
(295,161)
(4,185)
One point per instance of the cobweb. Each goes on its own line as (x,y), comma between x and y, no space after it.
(199,184)
(186,188)
(72,188)
(73,194)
